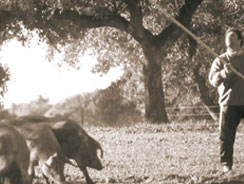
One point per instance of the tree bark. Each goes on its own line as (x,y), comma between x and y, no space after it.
(82,115)
(154,95)
(154,48)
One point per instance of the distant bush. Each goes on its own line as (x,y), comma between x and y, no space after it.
(36,107)
(113,109)
(4,114)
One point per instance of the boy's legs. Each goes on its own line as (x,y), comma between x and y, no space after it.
(229,120)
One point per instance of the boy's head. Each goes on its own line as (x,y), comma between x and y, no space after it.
(233,38)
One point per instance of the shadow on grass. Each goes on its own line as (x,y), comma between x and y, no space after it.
(210,180)
(235,180)
(229,182)
(178,178)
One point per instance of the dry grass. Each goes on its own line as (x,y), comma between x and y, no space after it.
(168,154)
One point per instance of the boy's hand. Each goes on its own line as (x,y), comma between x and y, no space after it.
(227,68)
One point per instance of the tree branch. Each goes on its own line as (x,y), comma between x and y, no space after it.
(137,29)
(84,21)
(172,32)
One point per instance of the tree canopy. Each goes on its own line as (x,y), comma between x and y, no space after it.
(131,33)
(4,78)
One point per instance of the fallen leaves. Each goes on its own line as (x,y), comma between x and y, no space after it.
(168,154)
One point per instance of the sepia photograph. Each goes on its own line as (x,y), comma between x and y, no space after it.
(121,91)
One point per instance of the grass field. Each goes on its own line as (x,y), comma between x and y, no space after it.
(162,154)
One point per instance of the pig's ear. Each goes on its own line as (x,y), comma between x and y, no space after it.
(98,146)
(50,159)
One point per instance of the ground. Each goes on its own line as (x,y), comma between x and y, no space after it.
(174,153)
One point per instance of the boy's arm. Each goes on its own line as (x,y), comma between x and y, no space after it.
(218,73)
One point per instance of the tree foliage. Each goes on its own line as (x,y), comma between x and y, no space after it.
(114,109)
(79,107)
(4,78)
(107,107)
(132,33)
(36,107)
(188,64)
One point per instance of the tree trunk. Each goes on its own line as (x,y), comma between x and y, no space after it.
(204,95)
(154,95)
(82,116)
(201,82)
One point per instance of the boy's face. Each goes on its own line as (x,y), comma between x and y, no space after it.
(232,41)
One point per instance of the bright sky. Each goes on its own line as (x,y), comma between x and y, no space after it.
(32,75)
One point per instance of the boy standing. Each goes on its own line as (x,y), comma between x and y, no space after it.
(231,93)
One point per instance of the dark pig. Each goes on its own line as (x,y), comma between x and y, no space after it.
(78,145)
(14,156)
(75,143)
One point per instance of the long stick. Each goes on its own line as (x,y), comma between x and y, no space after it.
(199,41)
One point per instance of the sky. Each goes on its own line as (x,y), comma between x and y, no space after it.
(33,75)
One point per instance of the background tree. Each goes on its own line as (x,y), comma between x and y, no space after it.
(186,67)
(83,101)
(66,22)
(36,107)
(78,107)
(114,109)
(4,114)
(188,64)
(39,106)
(4,78)
(133,33)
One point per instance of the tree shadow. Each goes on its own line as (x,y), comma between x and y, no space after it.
(229,180)
(177,178)
(235,180)
(210,180)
